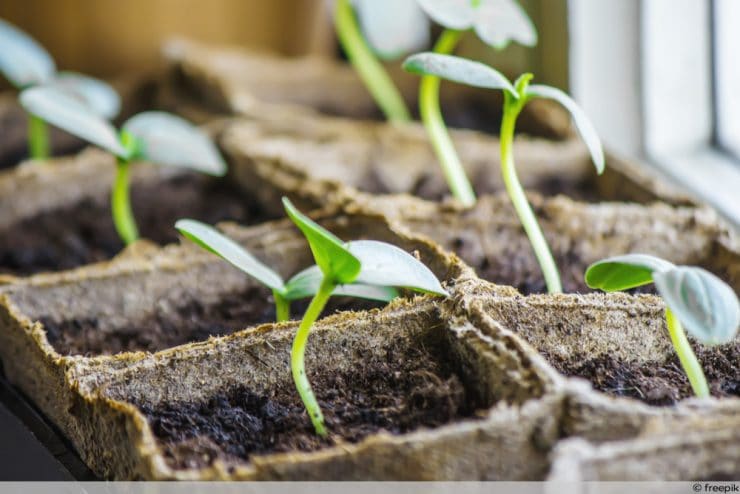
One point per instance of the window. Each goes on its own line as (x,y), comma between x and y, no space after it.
(727,72)
(662,83)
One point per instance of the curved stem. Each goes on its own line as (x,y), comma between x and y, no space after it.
(376,79)
(123,216)
(686,355)
(38,138)
(431,115)
(282,307)
(512,107)
(298,351)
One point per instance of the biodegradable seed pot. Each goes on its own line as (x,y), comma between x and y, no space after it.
(156,299)
(58,215)
(620,345)
(705,450)
(410,393)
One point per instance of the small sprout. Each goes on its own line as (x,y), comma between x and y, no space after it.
(496,22)
(391,29)
(157,137)
(25,64)
(302,285)
(339,263)
(693,296)
(516,96)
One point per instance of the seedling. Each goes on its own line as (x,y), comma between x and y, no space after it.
(387,30)
(496,22)
(302,285)
(25,63)
(516,96)
(693,296)
(157,137)
(368,262)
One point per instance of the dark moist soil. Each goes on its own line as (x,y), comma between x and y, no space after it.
(190,322)
(660,385)
(408,390)
(83,233)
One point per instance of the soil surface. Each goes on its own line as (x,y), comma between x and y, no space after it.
(189,322)
(659,384)
(408,390)
(83,233)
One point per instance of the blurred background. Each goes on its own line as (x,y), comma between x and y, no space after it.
(109,37)
(658,77)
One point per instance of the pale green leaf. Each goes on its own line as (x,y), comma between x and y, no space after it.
(583,124)
(452,14)
(98,95)
(393,28)
(214,241)
(306,283)
(458,70)
(23,61)
(705,305)
(498,22)
(167,139)
(59,108)
(384,264)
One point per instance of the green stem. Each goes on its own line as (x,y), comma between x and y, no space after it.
(512,107)
(282,307)
(38,138)
(686,355)
(371,71)
(431,115)
(123,216)
(297,363)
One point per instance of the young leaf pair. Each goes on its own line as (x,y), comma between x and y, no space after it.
(156,137)
(388,29)
(516,96)
(702,302)
(25,63)
(364,268)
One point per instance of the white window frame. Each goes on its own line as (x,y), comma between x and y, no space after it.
(643,71)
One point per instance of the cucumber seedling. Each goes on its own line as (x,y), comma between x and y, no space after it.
(25,63)
(496,22)
(387,30)
(516,97)
(706,305)
(156,137)
(303,285)
(366,261)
